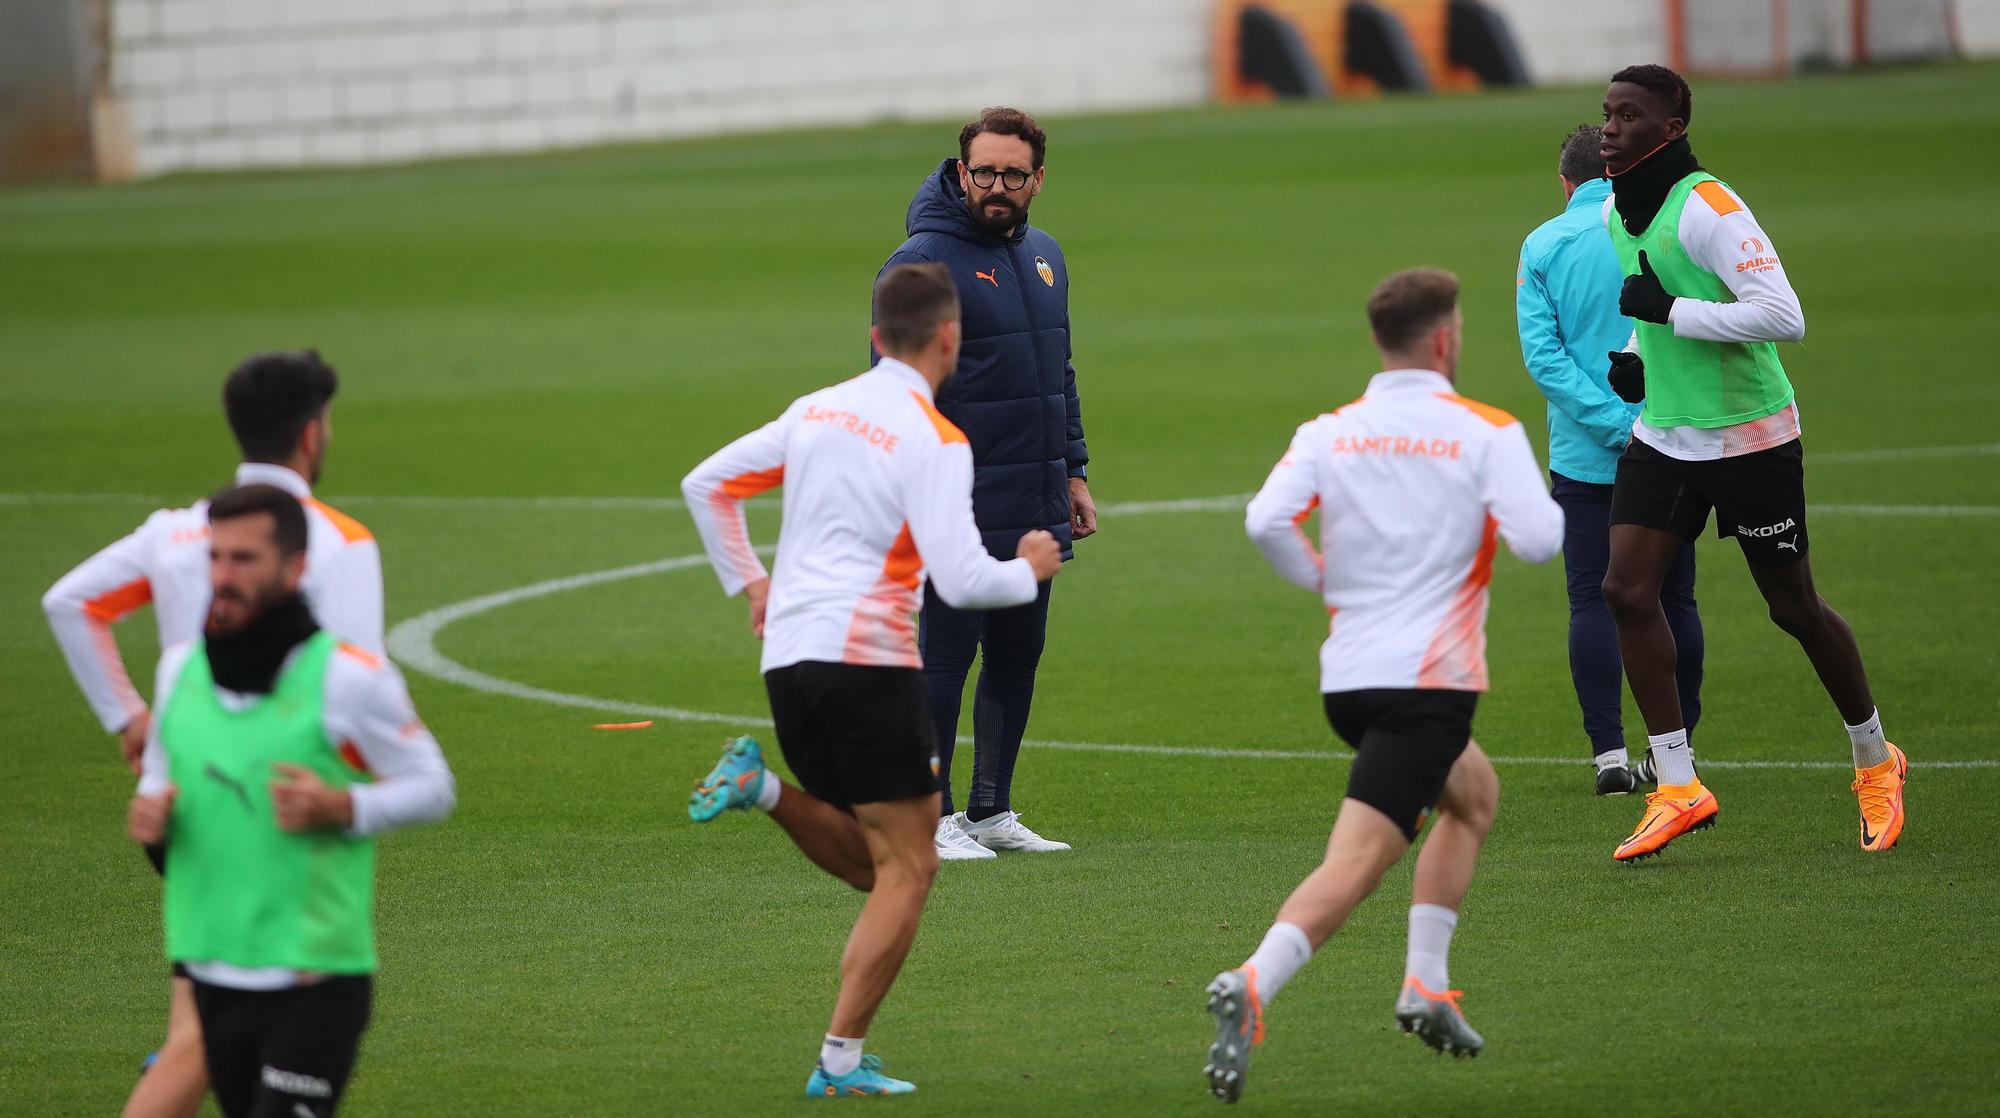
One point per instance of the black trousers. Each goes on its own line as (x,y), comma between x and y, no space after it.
(1595,665)
(283,1053)
(1008,643)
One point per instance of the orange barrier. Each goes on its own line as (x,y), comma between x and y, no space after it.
(1428,24)
(1322,24)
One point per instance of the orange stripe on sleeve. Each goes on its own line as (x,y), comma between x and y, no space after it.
(948,431)
(351,530)
(367,658)
(1487,412)
(114,604)
(744,486)
(1717,198)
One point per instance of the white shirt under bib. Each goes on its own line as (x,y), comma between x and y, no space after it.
(1722,236)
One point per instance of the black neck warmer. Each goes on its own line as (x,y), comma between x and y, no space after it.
(1641,189)
(248,660)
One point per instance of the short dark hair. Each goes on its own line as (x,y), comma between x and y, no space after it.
(1663,83)
(288,517)
(1003,121)
(1409,304)
(271,397)
(1582,158)
(911,302)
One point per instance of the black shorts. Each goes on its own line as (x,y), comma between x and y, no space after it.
(854,734)
(283,1053)
(1406,740)
(1759,499)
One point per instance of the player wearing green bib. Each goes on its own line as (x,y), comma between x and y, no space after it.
(1720,430)
(275,754)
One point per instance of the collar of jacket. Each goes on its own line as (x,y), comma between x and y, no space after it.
(1642,188)
(1589,194)
(940,207)
(1408,380)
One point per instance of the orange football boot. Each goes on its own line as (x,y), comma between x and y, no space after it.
(1880,792)
(1673,811)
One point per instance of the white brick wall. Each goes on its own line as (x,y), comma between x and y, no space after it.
(224,83)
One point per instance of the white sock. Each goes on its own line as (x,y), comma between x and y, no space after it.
(1609,759)
(1869,747)
(1431,926)
(1285,949)
(767,793)
(840,1054)
(1672,756)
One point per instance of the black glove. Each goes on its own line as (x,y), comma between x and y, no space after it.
(1642,296)
(1628,376)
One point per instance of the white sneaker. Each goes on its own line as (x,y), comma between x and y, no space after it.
(954,845)
(1005,832)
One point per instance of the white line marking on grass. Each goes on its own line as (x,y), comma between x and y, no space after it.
(413,644)
(1903,510)
(1229,503)
(1893,454)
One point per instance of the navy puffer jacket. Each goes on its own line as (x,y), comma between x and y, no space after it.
(1014,394)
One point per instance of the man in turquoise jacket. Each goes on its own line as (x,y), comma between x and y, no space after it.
(1566,300)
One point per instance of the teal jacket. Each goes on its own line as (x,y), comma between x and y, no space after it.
(1566,306)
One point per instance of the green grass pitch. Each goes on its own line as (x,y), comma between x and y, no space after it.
(592,324)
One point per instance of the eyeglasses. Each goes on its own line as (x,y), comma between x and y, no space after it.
(1014,178)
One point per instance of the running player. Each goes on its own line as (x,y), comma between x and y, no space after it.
(1414,485)
(277,405)
(1719,430)
(277,753)
(878,495)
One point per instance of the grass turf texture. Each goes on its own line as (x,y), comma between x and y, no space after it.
(594,323)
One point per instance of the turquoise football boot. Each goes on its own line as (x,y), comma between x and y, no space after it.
(734,783)
(862,1082)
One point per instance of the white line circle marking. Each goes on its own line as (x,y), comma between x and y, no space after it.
(413,644)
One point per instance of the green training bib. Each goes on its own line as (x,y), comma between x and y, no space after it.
(238,889)
(1691,382)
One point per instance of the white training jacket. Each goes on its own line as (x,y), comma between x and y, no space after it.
(1413,484)
(878,496)
(1722,236)
(365,710)
(165,562)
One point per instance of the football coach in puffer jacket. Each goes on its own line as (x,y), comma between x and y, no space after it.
(1014,396)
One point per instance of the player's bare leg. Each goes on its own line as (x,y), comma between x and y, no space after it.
(905,861)
(898,835)
(1880,769)
(1427,1006)
(1828,641)
(173,1087)
(1364,844)
(830,837)
(1640,558)
(827,835)
(1464,818)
